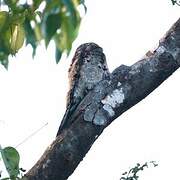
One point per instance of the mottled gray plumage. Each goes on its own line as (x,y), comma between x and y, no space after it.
(88,67)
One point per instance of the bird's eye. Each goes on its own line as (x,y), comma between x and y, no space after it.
(99,66)
(87,59)
(104,68)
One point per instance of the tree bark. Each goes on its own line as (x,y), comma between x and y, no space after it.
(109,99)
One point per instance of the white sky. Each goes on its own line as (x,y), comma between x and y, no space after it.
(33,93)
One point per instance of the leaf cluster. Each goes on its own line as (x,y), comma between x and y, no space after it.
(11,158)
(175,2)
(47,20)
(132,174)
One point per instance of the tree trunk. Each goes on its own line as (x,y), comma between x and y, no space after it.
(109,99)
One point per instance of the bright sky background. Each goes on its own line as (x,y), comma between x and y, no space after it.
(32,93)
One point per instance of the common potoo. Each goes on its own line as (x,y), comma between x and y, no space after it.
(88,67)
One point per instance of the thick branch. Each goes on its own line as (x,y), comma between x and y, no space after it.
(108,100)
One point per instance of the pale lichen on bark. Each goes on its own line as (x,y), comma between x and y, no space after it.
(114,99)
(100,118)
(109,109)
(45,165)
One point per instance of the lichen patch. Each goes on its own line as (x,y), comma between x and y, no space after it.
(99,118)
(160,49)
(45,165)
(109,109)
(174,51)
(119,84)
(114,99)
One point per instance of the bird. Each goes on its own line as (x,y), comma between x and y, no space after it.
(88,67)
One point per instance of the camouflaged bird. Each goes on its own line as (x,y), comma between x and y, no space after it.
(88,67)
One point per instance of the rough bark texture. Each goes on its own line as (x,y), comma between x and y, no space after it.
(108,100)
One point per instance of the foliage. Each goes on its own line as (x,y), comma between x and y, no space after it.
(175,2)
(47,20)
(132,173)
(11,158)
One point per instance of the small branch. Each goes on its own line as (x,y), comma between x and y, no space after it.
(175,2)
(132,173)
(108,100)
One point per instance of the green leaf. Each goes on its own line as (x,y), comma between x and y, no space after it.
(50,25)
(71,12)
(12,33)
(7,38)
(3,19)
(17,37)
(11,3)
(70,9)
(4,60)
(52,6)
(67,35)
(30,36)
(14,38)
(11,159)
(37,31)
(58,54)
(17,18)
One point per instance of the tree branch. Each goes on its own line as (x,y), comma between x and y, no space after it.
(108,100)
